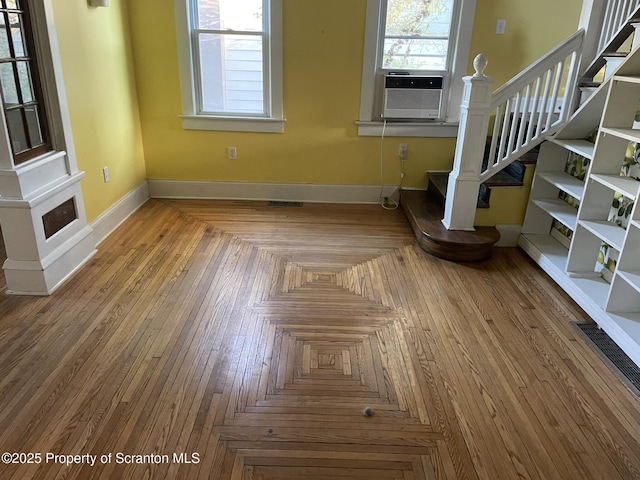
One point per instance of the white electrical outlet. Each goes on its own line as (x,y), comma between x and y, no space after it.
(501,26)
(403,150)
(232,153)
(105,174)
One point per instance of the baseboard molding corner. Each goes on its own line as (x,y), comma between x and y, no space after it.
(111,219)
(509,234)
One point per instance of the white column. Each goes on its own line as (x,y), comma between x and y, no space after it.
(464,183)
(38,261)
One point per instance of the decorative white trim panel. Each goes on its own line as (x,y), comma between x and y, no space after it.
(233,124)
(28,277)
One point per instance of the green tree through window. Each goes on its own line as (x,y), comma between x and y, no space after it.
(416,35)
(19,84)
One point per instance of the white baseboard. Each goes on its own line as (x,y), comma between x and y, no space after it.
(119,212)
(509,234)
(292,192)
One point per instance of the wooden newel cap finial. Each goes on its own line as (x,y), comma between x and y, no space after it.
(480,63)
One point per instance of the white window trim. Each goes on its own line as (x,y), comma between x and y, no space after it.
(191,120)
(367,126)
(51,81)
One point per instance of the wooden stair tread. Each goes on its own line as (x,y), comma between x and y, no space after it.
(425,216)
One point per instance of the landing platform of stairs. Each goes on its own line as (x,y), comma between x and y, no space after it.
(425,216)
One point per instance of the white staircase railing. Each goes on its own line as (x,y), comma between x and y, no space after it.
(525,113)
(616,15)
(525,107)
(607,26)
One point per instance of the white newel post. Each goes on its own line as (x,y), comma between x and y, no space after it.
(464,183)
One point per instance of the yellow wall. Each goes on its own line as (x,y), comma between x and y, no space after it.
(508,205)
(322,74)
(533,28)
(531,31)
(323,48)
(98,71)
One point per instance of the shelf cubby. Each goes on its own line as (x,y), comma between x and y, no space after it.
(624,296)
(585,246)
(560,210)
(564,182)
(552,182)
(580,146)
(627,186)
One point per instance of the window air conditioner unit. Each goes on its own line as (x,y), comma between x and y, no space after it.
(412,97)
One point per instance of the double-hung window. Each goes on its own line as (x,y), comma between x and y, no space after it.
(231,64)
(415,37)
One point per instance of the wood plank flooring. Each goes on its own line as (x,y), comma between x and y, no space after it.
(247,340)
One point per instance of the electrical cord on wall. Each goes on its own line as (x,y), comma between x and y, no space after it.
(388,202)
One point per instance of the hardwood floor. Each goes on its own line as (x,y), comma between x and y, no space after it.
(248,339)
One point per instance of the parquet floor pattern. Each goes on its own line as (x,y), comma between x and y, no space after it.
(254,337)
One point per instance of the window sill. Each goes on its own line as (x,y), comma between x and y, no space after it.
(233,124)
(406,129)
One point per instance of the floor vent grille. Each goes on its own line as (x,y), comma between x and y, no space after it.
(284,203)
(619,361)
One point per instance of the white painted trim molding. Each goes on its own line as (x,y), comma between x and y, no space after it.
(233,124)
(292,192)
(43,277)
(112,218)
(408,129)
